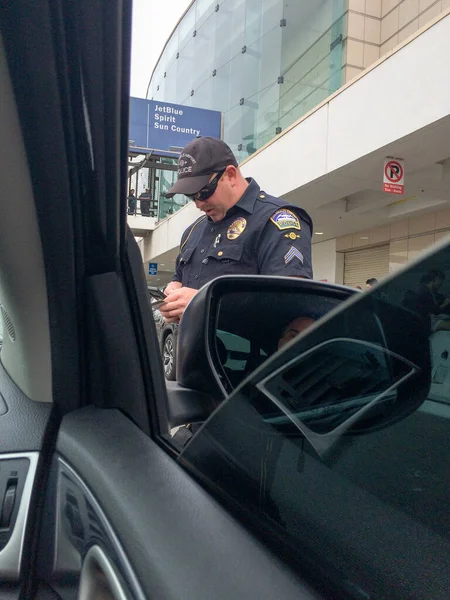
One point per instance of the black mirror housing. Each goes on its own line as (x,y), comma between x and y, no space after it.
(384,346)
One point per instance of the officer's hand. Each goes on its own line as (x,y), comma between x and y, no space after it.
(173,285)
(173,306)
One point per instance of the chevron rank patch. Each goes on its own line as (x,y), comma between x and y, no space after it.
(285,219)
(292,254)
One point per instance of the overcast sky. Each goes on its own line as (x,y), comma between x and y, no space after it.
(153,22)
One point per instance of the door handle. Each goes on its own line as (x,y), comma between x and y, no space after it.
(98,579)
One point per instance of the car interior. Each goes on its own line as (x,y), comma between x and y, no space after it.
(92,501)
(298,484)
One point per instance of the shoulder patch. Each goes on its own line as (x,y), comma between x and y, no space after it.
(285,219)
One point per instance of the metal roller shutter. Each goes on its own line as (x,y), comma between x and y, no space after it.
(361,265)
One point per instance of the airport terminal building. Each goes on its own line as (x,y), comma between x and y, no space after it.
(316,96)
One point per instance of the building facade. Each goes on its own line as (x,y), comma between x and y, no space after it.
(262,63)
(314,95)
(266,63)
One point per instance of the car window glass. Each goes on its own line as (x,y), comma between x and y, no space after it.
(338,450)
(332,383)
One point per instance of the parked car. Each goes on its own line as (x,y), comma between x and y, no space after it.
(168,339)
(167,335)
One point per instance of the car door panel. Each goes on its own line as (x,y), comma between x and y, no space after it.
(179,541)
(22,421)
(17,478)
(23,426)
(148,520)
(86,552)
(104,506)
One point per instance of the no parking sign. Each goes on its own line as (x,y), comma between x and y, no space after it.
(394,176)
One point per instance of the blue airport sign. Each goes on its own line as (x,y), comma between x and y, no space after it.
(153,268)
(160,126)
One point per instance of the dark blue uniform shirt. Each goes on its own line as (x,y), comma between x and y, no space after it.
(260,234)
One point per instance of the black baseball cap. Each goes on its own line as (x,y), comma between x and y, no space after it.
(198,161)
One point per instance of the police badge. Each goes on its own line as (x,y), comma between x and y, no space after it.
(236,228)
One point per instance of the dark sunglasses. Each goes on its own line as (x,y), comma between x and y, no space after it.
(208,190)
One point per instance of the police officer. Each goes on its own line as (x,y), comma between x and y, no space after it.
(243,231)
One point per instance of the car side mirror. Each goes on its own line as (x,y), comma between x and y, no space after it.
(353,371)
(234,324)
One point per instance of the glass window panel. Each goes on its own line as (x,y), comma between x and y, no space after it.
(306,22)
(248,133)
(223,24)
(186,28)
(238,126)
(236,35)
(253,21)
(229,31)
(293,103)
(336,80)
(203,54)
(170,93)
(269,89)
(151,89)
(157,74)
(249,77)
(336,58)
(203,10)
(232,126)
(264,138)
(171,47)
(338,8)
(221,88)
(270,57)
(267,116)
(245,76)
(185,70)
(204,94)
(159,77)
(164,180)
(160,90)
(300,52)
(236,68)
(272,13)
